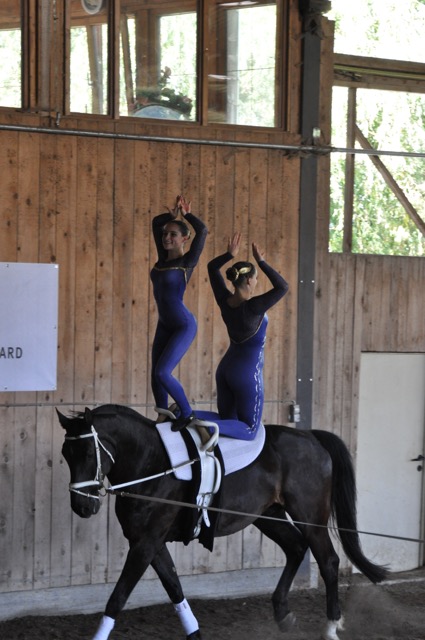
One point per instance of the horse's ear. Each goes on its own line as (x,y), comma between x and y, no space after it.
(88,416)
(64,421)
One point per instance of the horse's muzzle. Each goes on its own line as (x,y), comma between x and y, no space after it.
(85,506)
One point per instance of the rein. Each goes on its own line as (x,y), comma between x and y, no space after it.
(99,477)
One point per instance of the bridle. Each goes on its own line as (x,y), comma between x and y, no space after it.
(75,487)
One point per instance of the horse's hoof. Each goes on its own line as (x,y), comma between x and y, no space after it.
(287,623)
(196,635)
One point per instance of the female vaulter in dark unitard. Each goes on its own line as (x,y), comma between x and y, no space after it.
(176,327)
(239,376)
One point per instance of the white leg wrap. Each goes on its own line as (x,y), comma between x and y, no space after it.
(104,629)
(330,630)
(187,619)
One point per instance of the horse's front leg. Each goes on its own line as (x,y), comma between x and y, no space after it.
(164,566)
(135,566)
(138,559)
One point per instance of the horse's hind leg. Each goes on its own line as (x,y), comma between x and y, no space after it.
(164,566)
(293,544)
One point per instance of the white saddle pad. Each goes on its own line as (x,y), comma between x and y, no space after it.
(236,454)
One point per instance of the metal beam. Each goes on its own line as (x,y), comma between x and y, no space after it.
(307,230)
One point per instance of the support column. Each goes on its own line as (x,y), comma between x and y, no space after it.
(307,228)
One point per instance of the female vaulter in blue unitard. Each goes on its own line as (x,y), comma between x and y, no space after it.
(176,327)
(239,376)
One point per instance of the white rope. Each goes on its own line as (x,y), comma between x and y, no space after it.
(157,475)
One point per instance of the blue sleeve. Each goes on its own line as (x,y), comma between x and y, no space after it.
(198,242)
(216,279)
(260,304)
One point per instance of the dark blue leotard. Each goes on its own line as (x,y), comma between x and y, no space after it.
(239,376)
(176,326)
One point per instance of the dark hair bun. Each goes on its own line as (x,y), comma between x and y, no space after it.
(232,274)
(239,272)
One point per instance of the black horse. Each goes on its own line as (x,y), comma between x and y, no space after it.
(305,474)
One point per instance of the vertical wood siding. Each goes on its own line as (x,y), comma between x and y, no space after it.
(364,303)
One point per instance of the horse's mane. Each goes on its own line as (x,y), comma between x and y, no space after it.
(112,410)
(117,409)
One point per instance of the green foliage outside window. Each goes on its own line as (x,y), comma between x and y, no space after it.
(390,121)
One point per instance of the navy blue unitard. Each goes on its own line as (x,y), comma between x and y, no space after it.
(239,376)
(176,328)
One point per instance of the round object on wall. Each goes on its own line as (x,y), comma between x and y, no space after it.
(92,6)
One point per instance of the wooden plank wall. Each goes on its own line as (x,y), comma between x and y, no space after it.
(86,203)
(365,303)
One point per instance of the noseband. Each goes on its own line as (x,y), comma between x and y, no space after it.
(98,479)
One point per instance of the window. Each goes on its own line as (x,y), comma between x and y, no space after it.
(380,28)
(242,64)
(165,73)
(377,200)
(10,54)
(158,77)
(88,57)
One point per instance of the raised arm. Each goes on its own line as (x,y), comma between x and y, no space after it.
(260,304)
(218,284)
(198,242)
(157,224)
(196,246)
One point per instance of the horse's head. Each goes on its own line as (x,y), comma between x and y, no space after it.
(89,460)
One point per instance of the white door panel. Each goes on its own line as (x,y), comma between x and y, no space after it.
(391,433)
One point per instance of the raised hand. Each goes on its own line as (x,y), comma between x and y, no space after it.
(177,207)
(185,205)
(234,243)
(257,252)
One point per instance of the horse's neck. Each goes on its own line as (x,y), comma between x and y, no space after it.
(137,450)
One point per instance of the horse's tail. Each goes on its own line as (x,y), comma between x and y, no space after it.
(344,497)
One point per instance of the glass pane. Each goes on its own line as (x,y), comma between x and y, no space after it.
(10,54)
(388,192)
(380,28)
(158,63)
(89,57)
(242,64)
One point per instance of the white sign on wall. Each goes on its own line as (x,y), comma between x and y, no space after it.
(28,326)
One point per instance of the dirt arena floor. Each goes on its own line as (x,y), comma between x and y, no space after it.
(392,611)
